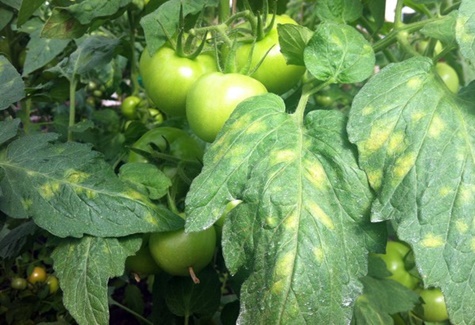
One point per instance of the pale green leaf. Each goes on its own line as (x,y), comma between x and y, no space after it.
(339,53)
(86,11)
(28,7)
(84,267)
(442,29)
(292,40)
(300,236)
(8,129)
(465,29)
(416,143)
(12,88)
(341,11)
(146,178)
(69,190)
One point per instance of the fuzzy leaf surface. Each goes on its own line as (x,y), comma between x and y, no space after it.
(70,190)
(300,236)
(84,267)
(12,87)
(465,29)
(416,143)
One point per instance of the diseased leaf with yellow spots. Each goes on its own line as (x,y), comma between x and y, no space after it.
(416,142)
(300,236)
(465,29)
(70,190)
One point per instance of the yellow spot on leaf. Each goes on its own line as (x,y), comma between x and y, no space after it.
(49,190)
(282,156)
(368,110)
(26,203)
(318,252)
(461,226)
(375,178)
(396,143)
(272,221)
(320,215)
(150,219)
(432,241)
(284,266)
(404,164)
(417,116)
(291,222)
(436,127)
(316,175)
(378,136)
(256,127)
(445,190)
(414,82)
(278,287)
(75,176)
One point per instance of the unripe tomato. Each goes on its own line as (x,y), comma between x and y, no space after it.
(129,106)
(167,77)
(176,251)
(274,72)
(37,275)
(434,307)
(18,284)
(394,260)
(179,143)
(142,262)
(448,75)
(53,283)
(213,98)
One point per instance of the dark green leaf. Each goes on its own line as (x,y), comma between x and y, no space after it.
(5,17)
(442,29)
(416,143)
(146,178)
(70,191)
(13,3)
(305,205)
(12,88)
(341,11)
(41,51)
(378,11)
(292,40)
(28,7)
(86,11)
(84,267)
(61,24)
(339,53)
(12,243)
(184,297)
(163,22)
(8,130)
(465,29)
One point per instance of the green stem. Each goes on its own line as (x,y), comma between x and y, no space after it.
(72,107)
(307,91)
(224,10)
(143,319)
(134,73)
(398,14)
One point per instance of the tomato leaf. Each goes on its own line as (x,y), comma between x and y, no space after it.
(184,297)
(12,243)
(443,29)
(61,24)
(28,7)
(465,29)
(381,299)
(304,212)
(163,22)
(416,144)
(292,41)
(12,87)
(339,53)
(69,190)
(146,178)
(341,11)
(8,129)
(88,10)
(84,267)
(41,51)
(5,17)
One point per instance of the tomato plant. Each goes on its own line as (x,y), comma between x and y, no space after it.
(327,121)
(273,71)
(168,77)
(213,98)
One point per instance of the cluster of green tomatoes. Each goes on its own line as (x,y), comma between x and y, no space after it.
(37,279)
(399,260)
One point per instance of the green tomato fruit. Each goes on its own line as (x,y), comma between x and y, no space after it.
(167,77)
(142,262)
(129,106)
(19,283)
(179,143)
(213,98)
(273,72)
(448,75)
(176,252)
(38,274)
(53,283)
(394,260)
(434,307)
